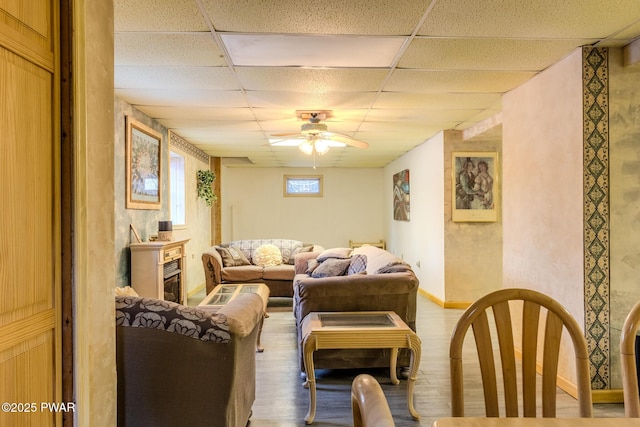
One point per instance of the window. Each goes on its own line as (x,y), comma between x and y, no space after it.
(177,190)
(303,186)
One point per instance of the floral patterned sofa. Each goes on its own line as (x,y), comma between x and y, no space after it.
(179,366)
(236,262)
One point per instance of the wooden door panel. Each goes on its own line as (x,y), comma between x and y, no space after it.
(30,365)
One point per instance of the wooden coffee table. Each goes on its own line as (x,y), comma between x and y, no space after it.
(226,292)
(359,329)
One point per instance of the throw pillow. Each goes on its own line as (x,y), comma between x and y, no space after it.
(357,265)
(331,267)
(232,256)
(312,264)
(267,256)
(341,253)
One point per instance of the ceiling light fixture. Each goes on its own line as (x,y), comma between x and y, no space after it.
(314,136)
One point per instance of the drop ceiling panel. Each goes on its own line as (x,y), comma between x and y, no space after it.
(310,80)
(183,97)
(568,19)
(167,50)
(427,117)
(158,15)
(456,81)
(193,114)
(310,101)
(366,17)
(486,54)
(206,135)
(272,50)
(290,115)
(175,77)
(427,101)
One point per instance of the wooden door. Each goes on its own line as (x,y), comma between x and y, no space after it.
(30,373)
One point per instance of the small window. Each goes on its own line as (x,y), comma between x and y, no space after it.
(303,186)
(177,190)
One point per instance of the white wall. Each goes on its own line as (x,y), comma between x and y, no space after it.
(253,206)
(420,241)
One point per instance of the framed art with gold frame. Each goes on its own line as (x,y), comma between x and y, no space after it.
(144,166)
(475,178)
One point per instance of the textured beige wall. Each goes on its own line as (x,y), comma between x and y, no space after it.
(253,206)
(542,187)
(473,250)
(624,163)
(94,260)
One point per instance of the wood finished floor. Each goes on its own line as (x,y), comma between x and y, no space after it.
(281,401)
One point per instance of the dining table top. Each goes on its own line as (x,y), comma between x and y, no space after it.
(535,422)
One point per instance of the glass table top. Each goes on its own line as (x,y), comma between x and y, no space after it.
(356,319)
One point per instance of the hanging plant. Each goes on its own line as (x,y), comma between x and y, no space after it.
(205,179)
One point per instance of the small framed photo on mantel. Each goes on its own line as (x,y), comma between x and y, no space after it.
(475,195)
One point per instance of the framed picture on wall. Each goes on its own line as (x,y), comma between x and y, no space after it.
(143,166)
(401,211)
(475,187)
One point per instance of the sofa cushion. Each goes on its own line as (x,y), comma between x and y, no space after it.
(331,267)
(279,272)
(334,253)
(357,265)
(267,255)
(312,264)
(232,256)
(286,246)
(138,312)
(244,273)
(377,259)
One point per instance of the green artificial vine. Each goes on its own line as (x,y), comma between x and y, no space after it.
(205,179)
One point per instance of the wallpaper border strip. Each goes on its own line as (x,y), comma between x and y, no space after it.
(184,145)
(595,77)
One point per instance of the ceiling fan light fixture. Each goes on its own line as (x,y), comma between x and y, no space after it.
(306,147)
(322,146)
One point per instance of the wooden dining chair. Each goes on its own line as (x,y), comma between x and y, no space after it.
(628,363)
(368,403)
(534,307)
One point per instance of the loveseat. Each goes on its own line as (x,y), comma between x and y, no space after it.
(384,283)
(236,262)
(181,366)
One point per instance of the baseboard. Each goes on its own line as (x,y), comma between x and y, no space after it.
(196,290)
(441,303)
(569,387)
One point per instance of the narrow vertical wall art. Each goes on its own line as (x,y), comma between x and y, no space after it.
(401,209)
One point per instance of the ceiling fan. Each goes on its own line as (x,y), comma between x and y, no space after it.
(314,137)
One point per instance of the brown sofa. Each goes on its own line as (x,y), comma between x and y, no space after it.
(388,284)
(279,278)
(179,366)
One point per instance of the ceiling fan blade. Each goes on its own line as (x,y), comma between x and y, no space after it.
(347,140)
(286,134)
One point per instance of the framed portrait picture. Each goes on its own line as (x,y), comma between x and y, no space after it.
(144,166)
(475,195)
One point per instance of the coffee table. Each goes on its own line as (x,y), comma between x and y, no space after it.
(226,292)
(361,329)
